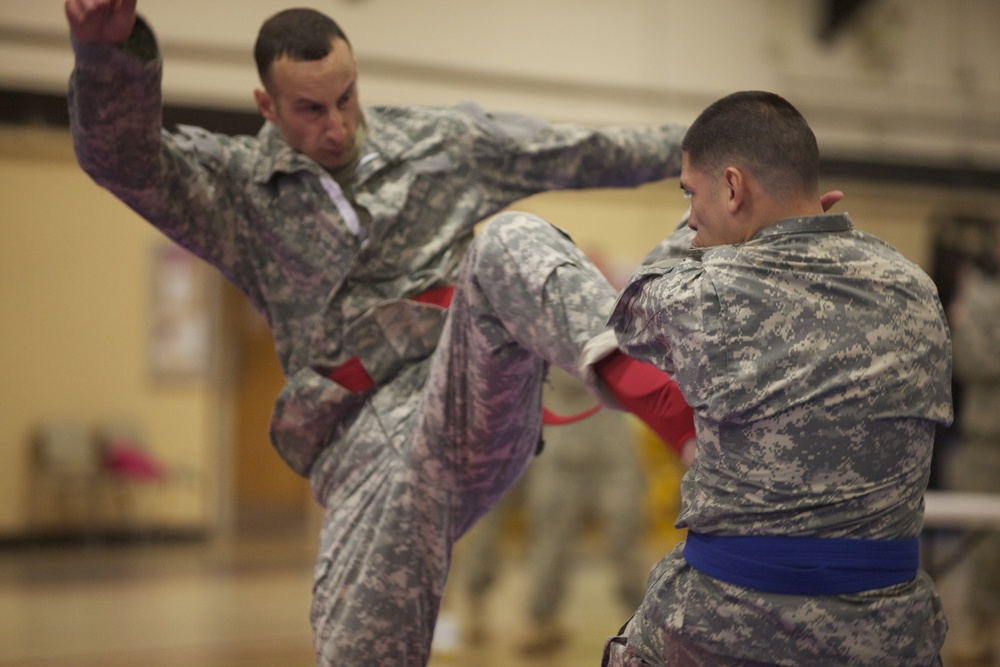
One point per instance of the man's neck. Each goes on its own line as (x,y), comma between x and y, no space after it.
(770,210)
(344,175)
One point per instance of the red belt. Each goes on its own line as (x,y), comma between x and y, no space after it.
(552,419)
(436,296)
(353,377)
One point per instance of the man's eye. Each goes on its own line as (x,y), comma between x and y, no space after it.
(687,194)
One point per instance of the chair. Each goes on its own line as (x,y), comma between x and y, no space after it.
(65,484)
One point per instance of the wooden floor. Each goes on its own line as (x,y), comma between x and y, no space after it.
(234,602)
(245,602)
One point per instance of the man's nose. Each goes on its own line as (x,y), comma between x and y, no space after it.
(336,127)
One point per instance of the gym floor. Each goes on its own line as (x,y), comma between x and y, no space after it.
(245,601)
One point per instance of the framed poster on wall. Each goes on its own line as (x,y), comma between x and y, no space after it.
(179,337)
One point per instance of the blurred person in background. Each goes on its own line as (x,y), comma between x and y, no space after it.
(587,475)
(975,326)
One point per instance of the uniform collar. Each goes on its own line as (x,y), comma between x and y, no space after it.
(807,224)
(385,141)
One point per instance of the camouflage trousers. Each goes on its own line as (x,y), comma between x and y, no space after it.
(689,619)
(435,448)
(680,653)
(590,468)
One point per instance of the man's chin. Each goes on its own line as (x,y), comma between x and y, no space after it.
(333,165)
(333,161)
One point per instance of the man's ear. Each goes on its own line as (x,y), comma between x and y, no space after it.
(265,104)
(736,188)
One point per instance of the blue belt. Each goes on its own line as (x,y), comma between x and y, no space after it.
(804,565)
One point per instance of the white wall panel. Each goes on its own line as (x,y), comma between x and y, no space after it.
(914,80)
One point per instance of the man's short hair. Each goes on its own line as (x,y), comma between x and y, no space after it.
(760,132)
(299,34)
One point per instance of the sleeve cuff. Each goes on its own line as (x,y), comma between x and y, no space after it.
(596,349)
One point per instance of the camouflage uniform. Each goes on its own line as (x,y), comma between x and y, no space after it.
(817,361)
(977,366)
(403,469)
(590,468)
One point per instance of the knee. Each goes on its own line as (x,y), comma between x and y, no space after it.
(502,224)
(513,234)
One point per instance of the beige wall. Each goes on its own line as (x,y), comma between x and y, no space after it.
(76,265)
(75,270)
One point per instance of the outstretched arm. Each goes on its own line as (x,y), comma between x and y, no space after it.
(180,181)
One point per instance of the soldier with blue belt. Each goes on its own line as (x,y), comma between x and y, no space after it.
(818,364)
